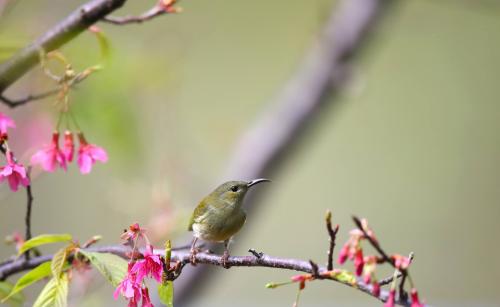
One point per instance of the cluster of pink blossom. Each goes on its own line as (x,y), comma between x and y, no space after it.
(49,158)
(133,286)
(14,172)
(52,156)
(365,266)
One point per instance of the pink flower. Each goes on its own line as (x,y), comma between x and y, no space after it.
(151,266)
(88,154)
(15,173)
(359,261)
(344,252)
(146,301)
(50,156)
(168,6)
(369,268)
(69,146)
(415,302)
(5,123)
(133,232)
(401,262)
(16,238)
(376,289)
(390,300)
(130,288)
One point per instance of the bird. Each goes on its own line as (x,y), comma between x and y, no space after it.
(220,215)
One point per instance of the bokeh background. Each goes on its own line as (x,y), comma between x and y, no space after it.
(412,143)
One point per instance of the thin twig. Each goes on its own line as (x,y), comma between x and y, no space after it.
(257,255)
(373,242)
(402,293)
(404,272)
(27,219)
(315,269)
(19,102)
(150,14)
(183,257)
(332,233)
(389,279)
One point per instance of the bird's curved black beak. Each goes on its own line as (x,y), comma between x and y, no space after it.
(255,181)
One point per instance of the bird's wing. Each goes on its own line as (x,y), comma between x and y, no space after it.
(198,212)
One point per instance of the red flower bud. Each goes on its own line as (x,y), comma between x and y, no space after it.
(376,289)
(359,262)
(391,298)
(343,253)
(302,285)
(415,302)
(69,146)
(401,262)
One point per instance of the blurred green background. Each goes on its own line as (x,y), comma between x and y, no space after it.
(412,144)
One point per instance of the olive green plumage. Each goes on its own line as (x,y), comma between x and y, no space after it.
(220,215)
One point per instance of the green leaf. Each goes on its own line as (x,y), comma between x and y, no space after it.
(59,260)
(6,295)
(103,45)
(41,271)
(111,266)
(344,276)
(54,294)
(43,239)
(166,293)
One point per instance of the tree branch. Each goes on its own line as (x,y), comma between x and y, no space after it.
(183,257)
(60,34)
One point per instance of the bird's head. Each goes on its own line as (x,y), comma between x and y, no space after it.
(235,191)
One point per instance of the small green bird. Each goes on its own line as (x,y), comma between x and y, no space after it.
(220,215)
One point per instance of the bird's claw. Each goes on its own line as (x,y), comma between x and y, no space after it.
(192,256)
(225,260)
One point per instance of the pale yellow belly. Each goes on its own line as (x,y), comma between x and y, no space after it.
(218,229)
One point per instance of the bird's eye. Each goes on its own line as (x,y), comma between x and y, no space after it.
(234,188)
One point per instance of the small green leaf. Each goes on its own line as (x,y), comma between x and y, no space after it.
(41,271)
(54,294)
(43,239)
(166,293)
(103,44)
(344,276)
(111,266)
(59,260)
(6,295)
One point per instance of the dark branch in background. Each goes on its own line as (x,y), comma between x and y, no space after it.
(204,258)
(322,73)
(66,30)
(332,233)
(19,102)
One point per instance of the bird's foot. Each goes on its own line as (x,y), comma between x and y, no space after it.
(225,260)
(192,256)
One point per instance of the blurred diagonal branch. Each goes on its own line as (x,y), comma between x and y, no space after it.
(323,72)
